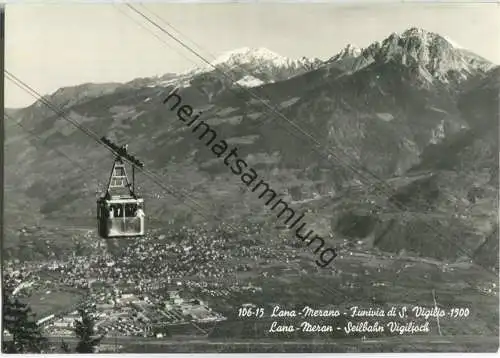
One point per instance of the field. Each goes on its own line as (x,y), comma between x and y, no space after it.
(44,304)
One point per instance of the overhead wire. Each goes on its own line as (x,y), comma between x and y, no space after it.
(205,332)
(43,141)
(115,153)
(150,175)
(217,68)
(389,192)
(94,136)
(397,204)
(321,287)
(29,246)
(178,31)
(64,154)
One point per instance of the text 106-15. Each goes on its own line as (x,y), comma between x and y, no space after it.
(250,312)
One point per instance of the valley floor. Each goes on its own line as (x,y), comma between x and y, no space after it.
(135,284)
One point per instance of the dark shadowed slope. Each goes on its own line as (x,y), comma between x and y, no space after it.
(379,114)
(462,193)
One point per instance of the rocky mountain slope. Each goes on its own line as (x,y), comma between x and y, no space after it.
(434,57)
(461,196)
(376,115)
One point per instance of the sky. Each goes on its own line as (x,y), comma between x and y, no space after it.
(54,45)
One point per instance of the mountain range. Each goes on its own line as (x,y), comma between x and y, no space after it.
(397,149)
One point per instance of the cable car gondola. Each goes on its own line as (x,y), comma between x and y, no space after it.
(120,212)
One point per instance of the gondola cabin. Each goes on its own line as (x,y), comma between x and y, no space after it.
(120,212)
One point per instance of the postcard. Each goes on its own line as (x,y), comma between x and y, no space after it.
(265,177)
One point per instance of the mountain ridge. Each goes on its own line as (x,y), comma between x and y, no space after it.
(381,117)
(246,61)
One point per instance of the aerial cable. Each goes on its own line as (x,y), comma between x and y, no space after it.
(81,167)
(31,133)
(293,124)
(148,174)
(389,192)
(228,225)
(225,74)
(263,101)
(250,92)
(98,139)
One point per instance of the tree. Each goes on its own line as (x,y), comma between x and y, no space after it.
(65,347)
(19,321)
(85,330)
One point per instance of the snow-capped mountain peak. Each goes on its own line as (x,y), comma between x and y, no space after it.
(348,51)
(417,31)
(255,61)
(436,57)
(453,43)
(245,66)
(425,35)
(247,55)
(249,81)
(430,55)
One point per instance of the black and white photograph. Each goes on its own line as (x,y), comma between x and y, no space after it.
(250,177)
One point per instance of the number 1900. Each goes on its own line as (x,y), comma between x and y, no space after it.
(459,312)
